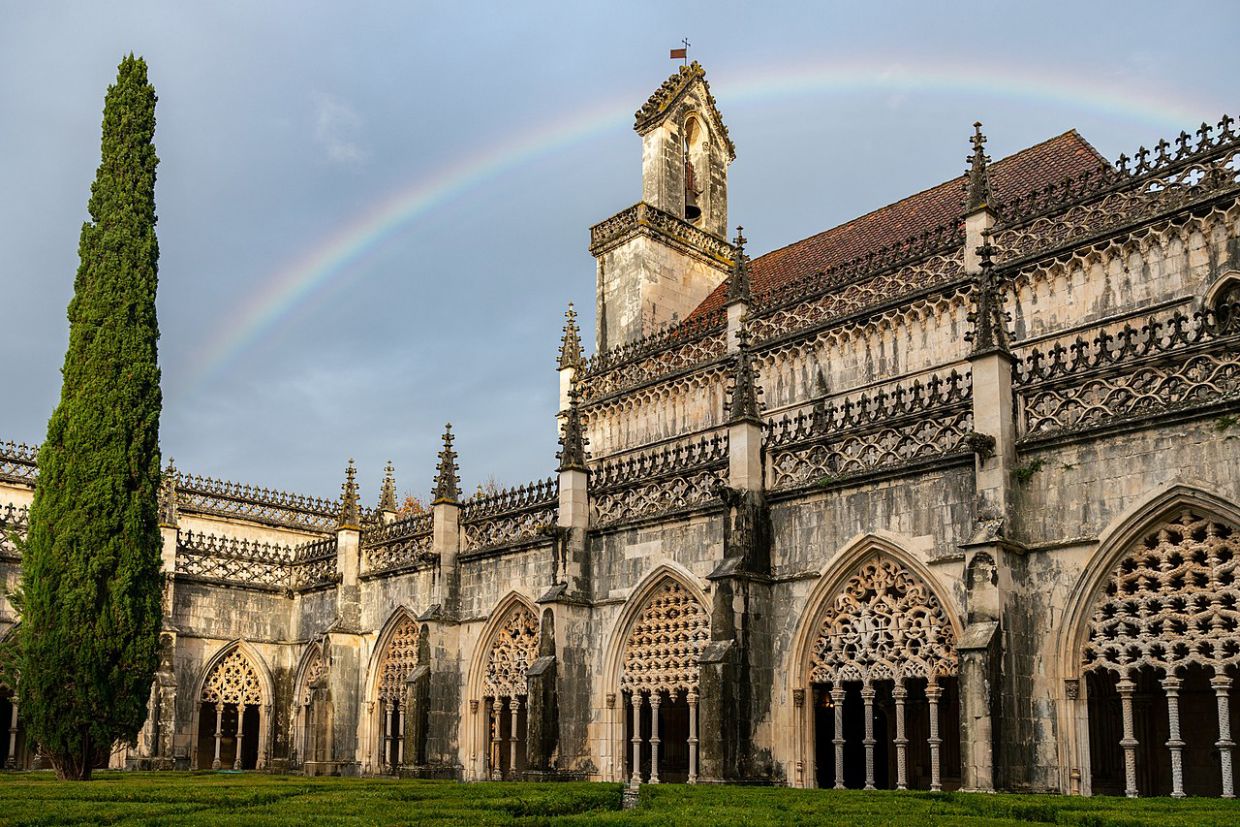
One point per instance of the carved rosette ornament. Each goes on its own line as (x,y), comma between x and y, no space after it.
(663,650)
(513,650)
(885,624)
(399,659)
(1170,602)
(234,680)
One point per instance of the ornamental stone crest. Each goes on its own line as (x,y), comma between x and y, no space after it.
(1170,602)
(234,680)
(885,624)
(513,649)
(399,659)
(663,650)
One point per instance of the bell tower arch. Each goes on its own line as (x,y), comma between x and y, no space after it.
(657,260)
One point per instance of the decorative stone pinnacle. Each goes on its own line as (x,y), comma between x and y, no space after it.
(988,317)
(572,454)
(168,495)
(978,187)
(350,514)
(570,344)
(738,283)
(743,405)
(387,494)
(447,481)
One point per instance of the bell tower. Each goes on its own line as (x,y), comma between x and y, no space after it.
(657,260)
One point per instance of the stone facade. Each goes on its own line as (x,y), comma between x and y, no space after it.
(957,510)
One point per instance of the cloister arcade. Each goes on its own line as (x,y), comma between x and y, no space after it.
(1159,654)
(233,712)
(659,682)
(397,661)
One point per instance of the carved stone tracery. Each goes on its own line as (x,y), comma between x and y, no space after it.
(400,657)
(315,670)
(666,643)
(1171,601)
(885,624)
(233,680)
(513,649)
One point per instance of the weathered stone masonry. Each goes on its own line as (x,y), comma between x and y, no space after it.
(946,497)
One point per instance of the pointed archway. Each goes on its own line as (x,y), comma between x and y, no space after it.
(874,675)
(1154,642)
(661,636)
(233,710)
(397,656)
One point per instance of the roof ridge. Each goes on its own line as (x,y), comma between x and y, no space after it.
(1069,132)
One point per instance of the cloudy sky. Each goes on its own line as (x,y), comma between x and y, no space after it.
(372,215)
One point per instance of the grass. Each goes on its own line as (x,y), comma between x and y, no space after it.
(222,799)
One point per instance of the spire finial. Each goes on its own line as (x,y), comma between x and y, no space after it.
(387,493)
(447,482)
(743,405)
(570,344)
(977,190)
(988,317)
(350,514)
(572,453)
(168,495)
(739,289)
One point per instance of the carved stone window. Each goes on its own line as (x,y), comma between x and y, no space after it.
(234,680)
(1171,602)
(885,624)
(400,657)
(314,670)
(513,650)
(666,643)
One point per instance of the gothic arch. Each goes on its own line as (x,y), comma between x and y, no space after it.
(882,565)
(613,669)
(833,577)
(398,650)
(309,715)
(265,695)
(674,612)
(1155,576)
(1225,288)
(512,630)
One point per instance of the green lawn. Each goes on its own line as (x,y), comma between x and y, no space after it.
(221,799)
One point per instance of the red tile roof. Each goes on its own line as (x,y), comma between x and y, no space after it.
(1046,163)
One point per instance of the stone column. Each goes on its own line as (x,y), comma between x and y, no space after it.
(656,699)
(1221,684)
(692,699)
(1126,689)
(837,703)
(899,694)
(219,732)
(497,708)
(637,739)
(400,735)
(240,735)
(933,693)
(386,761)
(514,708)
(1171,685)
(11,763)
(867,697)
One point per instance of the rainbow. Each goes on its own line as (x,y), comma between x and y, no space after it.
(340,253)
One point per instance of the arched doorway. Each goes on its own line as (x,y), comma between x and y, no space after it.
(659,684)
(882,668)
(310,715)
(1160,656)
(513,647)
(231,714)
(399,659)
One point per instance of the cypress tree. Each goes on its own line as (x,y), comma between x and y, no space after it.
(91,588)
